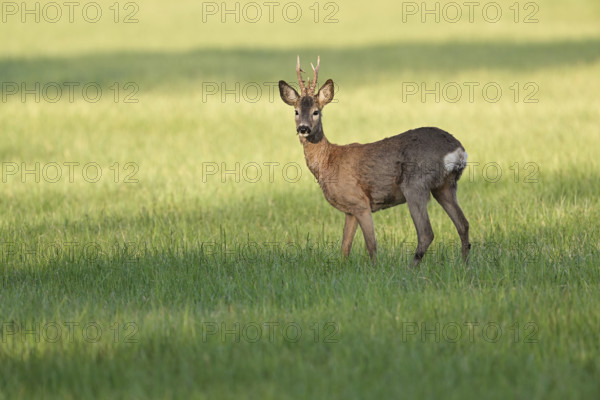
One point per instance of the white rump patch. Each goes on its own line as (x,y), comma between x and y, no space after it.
(457,160)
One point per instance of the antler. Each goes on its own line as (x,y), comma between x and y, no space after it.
(300,81)
(311,85)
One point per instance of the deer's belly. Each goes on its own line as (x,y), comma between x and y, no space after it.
(383,200)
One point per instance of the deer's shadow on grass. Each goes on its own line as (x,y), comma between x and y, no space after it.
(360,65)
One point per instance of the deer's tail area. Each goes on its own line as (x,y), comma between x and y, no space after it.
(456,162)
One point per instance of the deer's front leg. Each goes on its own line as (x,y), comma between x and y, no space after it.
(365,219)
(349,232)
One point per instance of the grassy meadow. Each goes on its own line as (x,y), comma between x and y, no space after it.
(162,237)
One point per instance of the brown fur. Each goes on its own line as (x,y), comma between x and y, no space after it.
(359,179)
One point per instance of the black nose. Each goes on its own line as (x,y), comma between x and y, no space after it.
(303,129)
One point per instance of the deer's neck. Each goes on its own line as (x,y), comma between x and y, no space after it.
(317,150)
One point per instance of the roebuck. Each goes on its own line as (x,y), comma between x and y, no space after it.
(359,179)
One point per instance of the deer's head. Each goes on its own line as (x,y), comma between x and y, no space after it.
(308,105)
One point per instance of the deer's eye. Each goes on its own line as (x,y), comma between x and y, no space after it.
(296,112)
(316,113)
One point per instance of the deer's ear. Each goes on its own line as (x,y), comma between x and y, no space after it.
(325,94)
(288,94)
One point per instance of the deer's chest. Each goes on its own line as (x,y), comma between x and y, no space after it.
(343,194)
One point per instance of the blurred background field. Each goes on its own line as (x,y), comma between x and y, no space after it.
(205,214)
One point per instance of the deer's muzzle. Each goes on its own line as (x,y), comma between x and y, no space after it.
(303,129)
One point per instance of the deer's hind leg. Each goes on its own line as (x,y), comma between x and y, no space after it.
(446,196)
(417,205)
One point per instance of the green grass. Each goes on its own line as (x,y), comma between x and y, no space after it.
(188,284)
